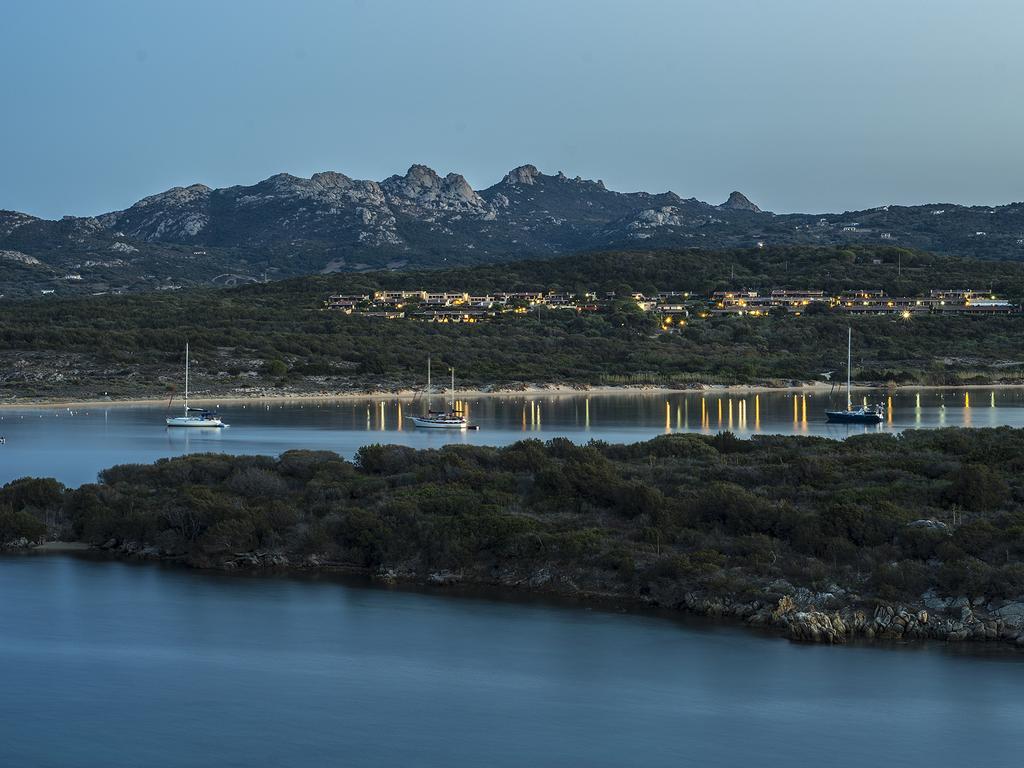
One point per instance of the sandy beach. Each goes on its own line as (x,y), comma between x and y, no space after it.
(532,390)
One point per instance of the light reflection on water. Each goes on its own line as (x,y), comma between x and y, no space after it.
(73,445)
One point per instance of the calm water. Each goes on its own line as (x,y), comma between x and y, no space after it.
(107,665)
(74,445)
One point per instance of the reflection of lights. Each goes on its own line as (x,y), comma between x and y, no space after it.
(719,411)
(668,417)
(730,413)
(888,409)
(796,413)
(803,415)
(586,413)
(757,412)
(399,415)
(992,399)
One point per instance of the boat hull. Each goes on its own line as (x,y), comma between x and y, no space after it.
(189,421)
(456,424)
(848,417)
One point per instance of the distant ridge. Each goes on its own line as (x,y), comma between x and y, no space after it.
(290,225)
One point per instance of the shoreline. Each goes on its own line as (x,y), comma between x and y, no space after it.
(533,390)
(891,626)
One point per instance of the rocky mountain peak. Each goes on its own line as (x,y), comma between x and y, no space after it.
(524,174)
(422,186)
(739,202)
(176,197)
(331,180)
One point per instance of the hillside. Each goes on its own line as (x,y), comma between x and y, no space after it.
(278,338)
(287,226)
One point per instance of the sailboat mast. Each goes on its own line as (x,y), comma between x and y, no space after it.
(186,378)
(849,366)
(428,385)
(452,408)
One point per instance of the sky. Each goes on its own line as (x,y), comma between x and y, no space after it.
(803,105)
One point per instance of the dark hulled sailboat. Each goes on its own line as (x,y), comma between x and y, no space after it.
(864,414)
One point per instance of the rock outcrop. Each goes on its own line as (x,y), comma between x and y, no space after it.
(739,202)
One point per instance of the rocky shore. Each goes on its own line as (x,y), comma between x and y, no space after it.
(833,617)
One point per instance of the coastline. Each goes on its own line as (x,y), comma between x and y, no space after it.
(529,390)
(793,616)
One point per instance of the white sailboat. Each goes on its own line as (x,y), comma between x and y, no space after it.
(453,419)
(193,417)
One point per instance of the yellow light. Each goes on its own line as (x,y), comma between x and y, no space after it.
(905,314)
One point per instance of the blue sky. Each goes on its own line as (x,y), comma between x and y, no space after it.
(801,104)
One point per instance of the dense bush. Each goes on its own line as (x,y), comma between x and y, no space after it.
(887,516)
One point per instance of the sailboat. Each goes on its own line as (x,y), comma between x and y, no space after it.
(863,414)
(193,417)
(452,419)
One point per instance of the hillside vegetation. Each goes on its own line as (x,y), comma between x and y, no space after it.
(278,338)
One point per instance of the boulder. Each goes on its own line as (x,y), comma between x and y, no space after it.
(1012,613)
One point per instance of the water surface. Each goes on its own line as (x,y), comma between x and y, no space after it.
(109,664)
(74,445)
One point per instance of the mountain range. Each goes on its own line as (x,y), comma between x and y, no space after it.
(287,225)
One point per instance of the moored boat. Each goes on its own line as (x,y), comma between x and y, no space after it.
(864,414)
(192,417)
(453,418)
